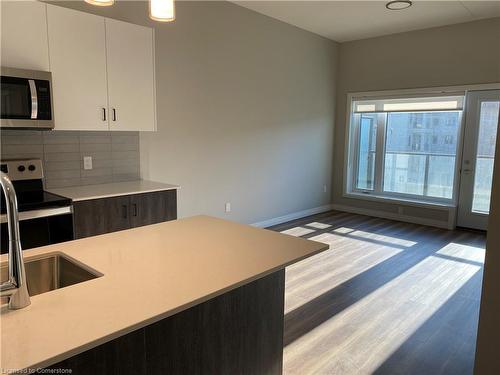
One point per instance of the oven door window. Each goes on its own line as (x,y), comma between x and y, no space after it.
(16,98)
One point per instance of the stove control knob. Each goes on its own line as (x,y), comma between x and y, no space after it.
(21,168)
(31,167)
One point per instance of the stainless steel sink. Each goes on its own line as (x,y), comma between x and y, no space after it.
(51,272)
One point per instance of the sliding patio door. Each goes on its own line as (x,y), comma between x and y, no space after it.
(480,134)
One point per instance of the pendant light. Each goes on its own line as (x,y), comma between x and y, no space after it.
(162,10)
(101,3)
(159,10)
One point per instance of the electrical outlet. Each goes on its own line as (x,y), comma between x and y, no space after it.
(228,207)
(87,162)
(324,188)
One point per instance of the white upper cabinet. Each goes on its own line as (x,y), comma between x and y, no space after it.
(24,35)
(103,74)
(131,82)
(78,63)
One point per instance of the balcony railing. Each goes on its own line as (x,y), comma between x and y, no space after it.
(422,185)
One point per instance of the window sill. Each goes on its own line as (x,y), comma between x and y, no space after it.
(397,200)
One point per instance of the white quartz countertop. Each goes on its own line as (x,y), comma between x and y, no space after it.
(149,273)
(81,193)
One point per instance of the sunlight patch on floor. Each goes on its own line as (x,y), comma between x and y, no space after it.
(343,230)
(314,276)
(318,225)
(298,231)
(389,240)
(375,326)
(463,252)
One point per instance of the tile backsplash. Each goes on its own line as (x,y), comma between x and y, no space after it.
(115,155)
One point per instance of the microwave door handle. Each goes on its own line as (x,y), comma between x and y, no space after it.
(34,99)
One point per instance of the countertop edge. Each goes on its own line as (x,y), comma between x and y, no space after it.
(179,309)
(132,192)
(141,188)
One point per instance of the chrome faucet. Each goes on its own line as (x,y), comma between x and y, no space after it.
(15,287)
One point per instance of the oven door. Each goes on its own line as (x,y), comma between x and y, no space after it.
(36,229)
(26,99)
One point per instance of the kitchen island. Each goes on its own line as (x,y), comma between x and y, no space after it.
(197,295)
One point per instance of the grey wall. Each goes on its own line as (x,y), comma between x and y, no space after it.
(245,110)
(245,113)
(115,155)
(459,54)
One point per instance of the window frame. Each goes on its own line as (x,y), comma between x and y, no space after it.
(379,158)
(350,189)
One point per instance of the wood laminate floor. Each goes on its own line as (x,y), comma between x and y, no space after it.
(387,298)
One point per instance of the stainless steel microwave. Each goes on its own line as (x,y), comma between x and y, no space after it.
(26,99)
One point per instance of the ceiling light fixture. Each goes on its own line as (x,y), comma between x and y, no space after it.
(159,10)
(162,10)
(398,4)
(101,3)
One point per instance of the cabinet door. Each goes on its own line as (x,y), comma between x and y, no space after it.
(99,216)
(130,72)
(90,218)
(78,62)
(24,35)
(152,208)
(117,213)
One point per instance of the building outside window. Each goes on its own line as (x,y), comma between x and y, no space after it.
(405,147)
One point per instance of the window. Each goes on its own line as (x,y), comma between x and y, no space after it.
(366,156)
(405,147)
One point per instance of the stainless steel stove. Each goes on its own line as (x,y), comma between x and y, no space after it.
(45,218)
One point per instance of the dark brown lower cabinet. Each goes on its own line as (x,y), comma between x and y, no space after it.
(117,213)
(90,218)
(105,215)
(152,208)
(239,332)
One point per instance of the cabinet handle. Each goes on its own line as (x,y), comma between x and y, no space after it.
(104,114)
(124,211)
(134,209)
(114,114)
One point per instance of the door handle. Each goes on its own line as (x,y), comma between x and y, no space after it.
(467,171)
(134,209)
(114,114)
(103,114)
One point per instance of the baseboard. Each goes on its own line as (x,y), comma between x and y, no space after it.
(353,210)
(391,216)
(292,216)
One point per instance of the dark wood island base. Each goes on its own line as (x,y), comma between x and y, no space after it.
(239,332)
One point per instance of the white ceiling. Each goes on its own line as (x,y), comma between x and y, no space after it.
(351,20)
